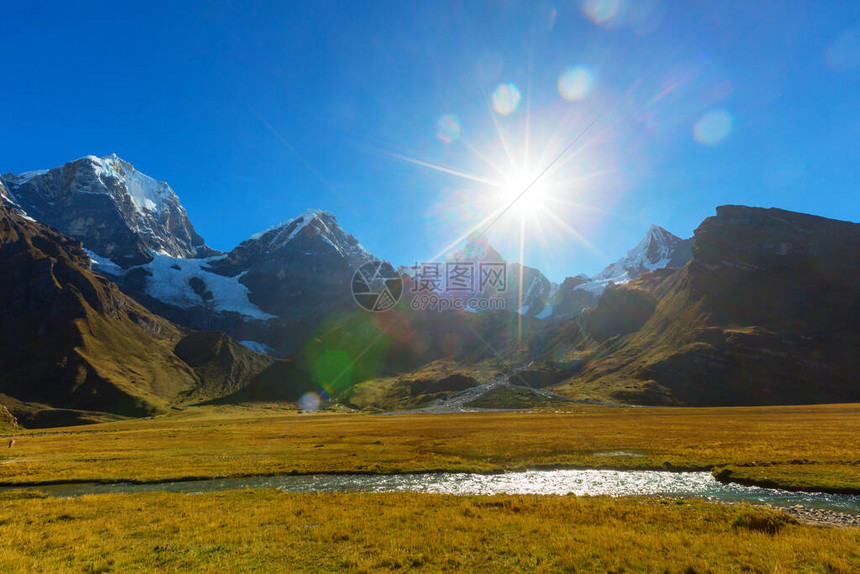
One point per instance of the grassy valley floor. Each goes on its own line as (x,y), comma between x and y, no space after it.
(267,530)
(803,447)
(270,531)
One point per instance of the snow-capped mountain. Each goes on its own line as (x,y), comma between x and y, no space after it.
(537,291)
(526,289)
(116,211)
(269,292)
(313,233)
(299,267)
(658,249)
(273,289)
(542,298)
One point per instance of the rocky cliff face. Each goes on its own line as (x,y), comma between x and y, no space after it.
(537,291)
(8,422)
(115,210)
(766,312)
(8,200)
(570,298)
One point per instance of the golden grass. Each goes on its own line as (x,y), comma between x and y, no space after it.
(266,530)
(816,445)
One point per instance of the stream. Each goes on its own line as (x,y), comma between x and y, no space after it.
(559,482)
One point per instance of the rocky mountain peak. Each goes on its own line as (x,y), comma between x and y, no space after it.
(527,290)
(657,249)
(660,235)
(115,210)
(314,231)
(477,248)
(6,197)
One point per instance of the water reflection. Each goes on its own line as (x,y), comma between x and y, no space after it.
(558,482)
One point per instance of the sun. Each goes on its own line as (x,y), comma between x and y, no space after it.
(531,177)
(526,191)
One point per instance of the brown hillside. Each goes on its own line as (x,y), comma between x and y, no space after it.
(766,312)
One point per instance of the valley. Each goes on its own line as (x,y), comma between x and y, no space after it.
(803,447)
(264,528)
(486,286)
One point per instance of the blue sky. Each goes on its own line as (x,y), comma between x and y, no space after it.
(697,104)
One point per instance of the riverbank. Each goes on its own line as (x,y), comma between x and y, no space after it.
(629,483)
(804,447)
(266,530)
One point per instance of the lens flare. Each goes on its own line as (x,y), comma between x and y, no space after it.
(575,83)
(310,402)
(526,191)
(333,365)
(506,99)
(601,12)
(713,127)
(448,128)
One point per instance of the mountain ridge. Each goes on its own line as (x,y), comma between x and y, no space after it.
(671,322)
(74,348)
(117,211)
(765,312)
(136,246)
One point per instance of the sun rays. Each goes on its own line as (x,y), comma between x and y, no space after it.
(527,185)
(527,179)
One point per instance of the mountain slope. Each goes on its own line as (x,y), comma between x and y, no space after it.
(73,346)
(115,210)
(70,338)
(231,372)
(766,312)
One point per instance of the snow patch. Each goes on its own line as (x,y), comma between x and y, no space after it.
(171,283)
(305,218)
(545,312)
(103,265)
(22,178)
(257,347)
